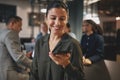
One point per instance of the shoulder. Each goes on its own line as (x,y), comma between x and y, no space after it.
(43,39)
(12,35)
(99,37)
(8,33)
(5,31)
(39,35)
(84,35)
(70,40)
(72,34)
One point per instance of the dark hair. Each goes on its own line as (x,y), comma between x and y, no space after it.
(99,30)
(13,19)
(95,27)
(68,25)
(57,4)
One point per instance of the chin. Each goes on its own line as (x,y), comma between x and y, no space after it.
(57,33)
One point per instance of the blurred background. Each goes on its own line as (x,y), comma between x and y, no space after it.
(106,13)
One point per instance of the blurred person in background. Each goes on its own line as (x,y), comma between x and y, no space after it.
(14,64)
(68,30)
(43,30)
(92,42)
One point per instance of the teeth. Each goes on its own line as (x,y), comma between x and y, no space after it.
(57,28)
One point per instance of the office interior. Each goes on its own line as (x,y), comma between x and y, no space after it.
(106,13)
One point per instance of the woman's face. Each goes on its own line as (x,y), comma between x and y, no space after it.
(56,20)
(86,27)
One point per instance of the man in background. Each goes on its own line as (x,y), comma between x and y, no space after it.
(13,62)
(43,30)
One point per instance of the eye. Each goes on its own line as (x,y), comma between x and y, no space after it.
(52,18)
(62,19)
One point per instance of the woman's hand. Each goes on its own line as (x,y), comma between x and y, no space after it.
(86,61)
(60,59)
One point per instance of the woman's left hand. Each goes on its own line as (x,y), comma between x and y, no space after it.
(60,59)
(86,61)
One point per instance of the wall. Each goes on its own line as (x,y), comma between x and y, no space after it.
(23,8)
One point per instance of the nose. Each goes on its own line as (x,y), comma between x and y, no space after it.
(57,22)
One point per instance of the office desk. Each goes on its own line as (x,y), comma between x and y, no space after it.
(103,70)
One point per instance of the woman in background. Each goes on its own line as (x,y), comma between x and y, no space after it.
(68,31)
(57,55)
(92,42)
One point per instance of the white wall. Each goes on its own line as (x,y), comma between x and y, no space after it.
(23,8)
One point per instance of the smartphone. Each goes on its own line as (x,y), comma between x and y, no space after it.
(60,52)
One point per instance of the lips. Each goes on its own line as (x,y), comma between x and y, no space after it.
(57,28)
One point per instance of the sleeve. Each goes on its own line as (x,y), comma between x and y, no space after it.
(99,50)
(13,45)
(75,69)
(34,67)
(82,45)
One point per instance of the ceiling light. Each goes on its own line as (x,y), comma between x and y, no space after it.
(43,10)
(117,18)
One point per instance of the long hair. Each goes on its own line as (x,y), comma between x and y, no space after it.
(95,27)
(99,30)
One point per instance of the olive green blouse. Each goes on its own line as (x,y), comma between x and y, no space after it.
(43,68)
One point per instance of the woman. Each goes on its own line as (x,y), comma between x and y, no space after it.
(92,42)
(57,55)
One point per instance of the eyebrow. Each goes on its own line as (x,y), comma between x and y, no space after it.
(55,16)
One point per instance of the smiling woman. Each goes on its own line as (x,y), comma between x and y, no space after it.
(57,55)
(56,20)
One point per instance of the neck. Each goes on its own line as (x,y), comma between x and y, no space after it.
(55,37)
(89,33)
